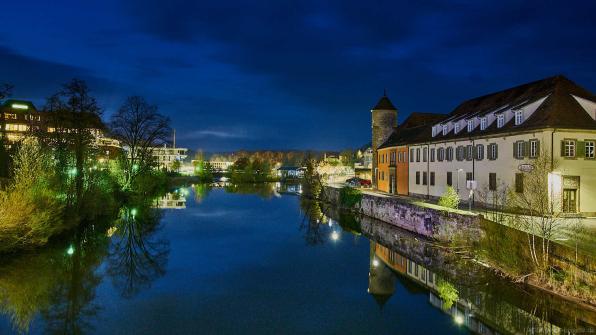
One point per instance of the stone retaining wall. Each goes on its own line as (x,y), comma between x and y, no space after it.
(424,220)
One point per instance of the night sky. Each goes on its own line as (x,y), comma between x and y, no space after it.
(290,75)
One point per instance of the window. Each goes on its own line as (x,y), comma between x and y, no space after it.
(534,148)
(492,181)
(493,152)
(382,175)
(424,178)
(424,154)
(479,152)
(392,158)
(411,155)
(417,177)
(500,120)
(432,154)
(440,154)
(432,179)
(470,125)
(459,154)
(589,149)
(469,152)
(449,178)
(456,128)
(10,116)
(483,122)
(519,182)
(16,127)
(469,176)
(418,155)
(519,117)
(444,129)
(518,149)
(568,148)
(449,154)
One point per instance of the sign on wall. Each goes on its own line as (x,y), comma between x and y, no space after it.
(526,167)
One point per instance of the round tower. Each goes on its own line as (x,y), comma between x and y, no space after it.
(384,122)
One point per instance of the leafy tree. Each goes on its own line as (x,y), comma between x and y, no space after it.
(176,166)
(449,199)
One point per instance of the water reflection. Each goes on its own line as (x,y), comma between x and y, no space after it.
(56,289)
(137,257)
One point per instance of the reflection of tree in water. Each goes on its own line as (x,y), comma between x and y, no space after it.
(136,258)
(72,307)
(313,221)
(264,190)
(201,192)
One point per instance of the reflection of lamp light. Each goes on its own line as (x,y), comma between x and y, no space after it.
(458,319)
(133,212)
(335,236)
(375,262)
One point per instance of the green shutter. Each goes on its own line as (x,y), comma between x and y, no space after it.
(581,149)
(537,148)
(526,149)
(515,150)
(563,148)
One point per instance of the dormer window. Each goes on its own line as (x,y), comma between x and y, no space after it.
(500,120)
(457,128)
(470,125)
(519,117)
(444,129)
(483,122)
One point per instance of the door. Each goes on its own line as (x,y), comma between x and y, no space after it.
(569,201)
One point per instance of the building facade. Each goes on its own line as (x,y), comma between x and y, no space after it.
(164,156)
(492,141)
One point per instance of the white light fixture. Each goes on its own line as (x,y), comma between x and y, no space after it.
(19,106)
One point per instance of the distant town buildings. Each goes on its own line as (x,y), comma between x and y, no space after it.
(220,165)
(492,141)
(290,172)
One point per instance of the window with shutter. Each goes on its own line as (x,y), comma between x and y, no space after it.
(479,152)
(533,151)
(449,178)
(589,149)
(432,179)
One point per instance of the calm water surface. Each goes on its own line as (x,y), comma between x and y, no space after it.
(251,263)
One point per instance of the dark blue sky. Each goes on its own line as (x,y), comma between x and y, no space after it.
(281,75)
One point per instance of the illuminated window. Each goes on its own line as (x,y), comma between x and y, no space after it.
(19,106)
(500,120)
(16,127)
(456,128)
(470,125)
(444,129)
(10,116)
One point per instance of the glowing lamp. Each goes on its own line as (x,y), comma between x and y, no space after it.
(70,250)
(19,106)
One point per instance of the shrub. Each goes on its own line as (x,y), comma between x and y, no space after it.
(449,199)
(349,197)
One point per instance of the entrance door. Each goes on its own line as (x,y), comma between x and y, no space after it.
(569,201)
(391,184)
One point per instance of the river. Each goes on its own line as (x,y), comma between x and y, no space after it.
(261,260)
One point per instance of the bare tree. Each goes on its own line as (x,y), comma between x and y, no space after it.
(538,210)
(139,127)
(5,91)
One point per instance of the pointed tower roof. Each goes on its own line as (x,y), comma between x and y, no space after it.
(384,104)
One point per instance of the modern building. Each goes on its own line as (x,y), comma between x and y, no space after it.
(220,166)
(20,118)
(492,140)
(165,156)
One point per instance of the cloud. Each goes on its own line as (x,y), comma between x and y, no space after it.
(217,134)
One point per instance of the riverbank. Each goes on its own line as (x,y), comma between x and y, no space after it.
(502,248)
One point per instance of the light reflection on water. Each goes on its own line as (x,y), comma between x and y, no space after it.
(256,259)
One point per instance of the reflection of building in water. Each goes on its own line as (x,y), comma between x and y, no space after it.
(479,311)
(288,188)
(171,201)
(381,280)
